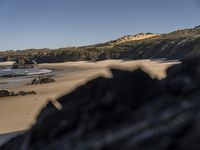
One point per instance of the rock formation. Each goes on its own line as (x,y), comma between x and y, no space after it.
(128,111)
(6,93)
(23,93)
(23,63)
(42,80)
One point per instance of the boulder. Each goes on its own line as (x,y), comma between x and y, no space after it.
(22,93)
(42,80)
(5,92)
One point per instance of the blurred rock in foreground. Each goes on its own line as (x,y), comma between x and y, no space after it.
(130,111)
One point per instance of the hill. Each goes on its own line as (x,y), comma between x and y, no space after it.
(175,45)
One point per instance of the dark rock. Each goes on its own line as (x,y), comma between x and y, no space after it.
(5,92)
(184,79)
(42,80)
(22,93)
(23,63)
(128,111)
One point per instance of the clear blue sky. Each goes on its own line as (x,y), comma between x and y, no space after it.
(60,23)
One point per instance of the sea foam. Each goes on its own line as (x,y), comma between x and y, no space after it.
(22,72)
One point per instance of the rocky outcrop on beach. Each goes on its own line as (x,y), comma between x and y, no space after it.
(6,93)
(131,110)
(23,63)
(23,93)
(42,80)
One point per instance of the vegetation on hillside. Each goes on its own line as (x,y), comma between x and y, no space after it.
(174,45)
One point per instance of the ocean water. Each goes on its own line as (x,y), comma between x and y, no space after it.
(22,72)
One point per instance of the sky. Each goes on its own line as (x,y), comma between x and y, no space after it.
(60,23)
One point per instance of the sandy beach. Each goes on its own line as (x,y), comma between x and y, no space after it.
(18,113)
